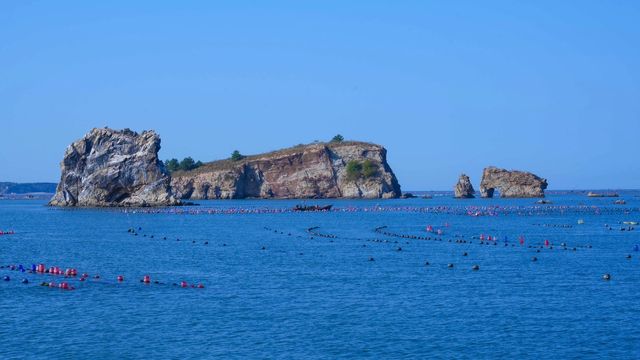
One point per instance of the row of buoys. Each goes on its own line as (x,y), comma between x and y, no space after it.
(133,232)
(69,273)
(7,232)
(183,284)
(494,210)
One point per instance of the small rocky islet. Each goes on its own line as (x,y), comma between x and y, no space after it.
(121,168)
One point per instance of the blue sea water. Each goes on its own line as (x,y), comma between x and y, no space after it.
(275,290)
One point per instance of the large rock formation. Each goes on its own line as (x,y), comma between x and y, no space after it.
(332,170)
(114,168)
(463,188)
(511,184)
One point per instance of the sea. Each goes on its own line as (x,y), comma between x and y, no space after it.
(422,278)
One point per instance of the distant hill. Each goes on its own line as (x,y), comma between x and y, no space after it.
(26,188)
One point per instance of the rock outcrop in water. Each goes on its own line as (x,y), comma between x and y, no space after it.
(463,188)
(511,184)
(114,168)
(305,171)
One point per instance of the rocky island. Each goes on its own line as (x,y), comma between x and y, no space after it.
(345,169)
(511,184)
(463,188)
(114,168)
(121,168)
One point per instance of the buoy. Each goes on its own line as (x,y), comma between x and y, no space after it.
(628,256)
(6,278)
(464,254)
(606,277)
(146,279)
(120,278)
(534,259)
(371,259)
(200,286)
(426,263)
(546,243)
(82,279)
(475,267)
(449,265)
(25,281)
(184,284)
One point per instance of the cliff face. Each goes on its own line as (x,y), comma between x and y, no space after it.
(511,184)
(463,188)
(113,168)
(311,171)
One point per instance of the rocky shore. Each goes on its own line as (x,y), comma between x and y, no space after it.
(347,169)
(463,188)
(121,168)
(114,168)
(511,184)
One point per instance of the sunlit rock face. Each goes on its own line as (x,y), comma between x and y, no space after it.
(511,184)
(305,171)
(463,188)
(114,168)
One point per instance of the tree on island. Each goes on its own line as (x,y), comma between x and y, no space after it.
(337,138)
(172,165)
(185,165)
(236,156)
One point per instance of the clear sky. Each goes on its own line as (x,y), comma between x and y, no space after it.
(552,87)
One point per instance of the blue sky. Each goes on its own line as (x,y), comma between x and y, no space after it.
(447,86)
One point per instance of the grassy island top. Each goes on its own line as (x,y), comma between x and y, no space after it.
(227,164)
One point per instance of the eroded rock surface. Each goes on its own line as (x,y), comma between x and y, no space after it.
(114,168)
(511,184)
(306,171)
(463,188)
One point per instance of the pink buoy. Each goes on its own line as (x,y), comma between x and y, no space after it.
(146,279)
(184,284)
(546,243)
(120,278)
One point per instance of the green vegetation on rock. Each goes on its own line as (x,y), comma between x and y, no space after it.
(361,170)
(337,138)
(236,156)
(185,165)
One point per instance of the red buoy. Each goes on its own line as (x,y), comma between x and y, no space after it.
(200,286)
(546,243)
(120,278)
(146,279)
(184,284)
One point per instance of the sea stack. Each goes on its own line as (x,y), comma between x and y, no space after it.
(511,184)
(114,168)
(464,189)
(345,169)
